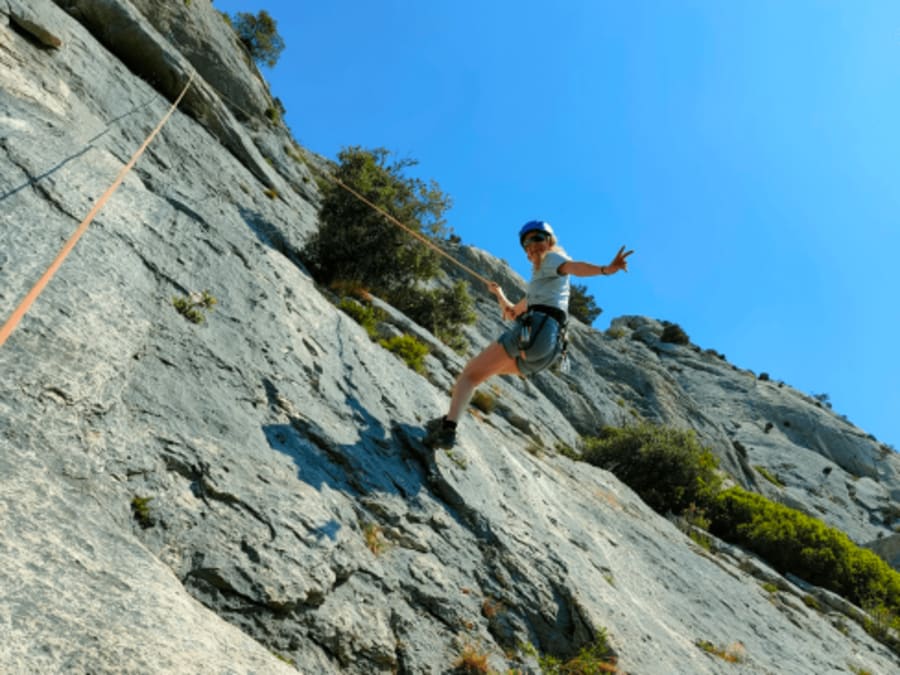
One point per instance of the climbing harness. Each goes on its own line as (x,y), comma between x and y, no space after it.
(20,311)
(533,321)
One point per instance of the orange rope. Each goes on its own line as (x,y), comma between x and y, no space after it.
(36,290)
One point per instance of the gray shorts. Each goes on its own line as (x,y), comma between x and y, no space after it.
(543,351)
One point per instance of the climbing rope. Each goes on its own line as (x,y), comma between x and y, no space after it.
(20,311)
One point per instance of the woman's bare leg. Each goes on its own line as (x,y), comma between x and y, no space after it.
(492,361)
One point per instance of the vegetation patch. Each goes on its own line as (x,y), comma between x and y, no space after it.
(259,35)
(140,509)
(567,450)
(374,537)
(734,653)
(366,315)
(694,522)
(593,659)
(675,334)
(668,468)
(285,659)
(582,304)
(672,473)
(194,306)
(457,459)
(484,401)
(793,542)
(765,473)
(471,661)
(356,241)
(409,349)
(882,624)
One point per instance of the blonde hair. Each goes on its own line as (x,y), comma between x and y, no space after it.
(554,246)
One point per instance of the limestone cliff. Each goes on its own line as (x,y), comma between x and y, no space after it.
(236,496)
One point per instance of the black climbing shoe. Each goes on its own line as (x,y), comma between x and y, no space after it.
(441,433)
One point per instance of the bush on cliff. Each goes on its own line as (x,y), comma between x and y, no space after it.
(668,468)
(409,349)
(793,542)
(671,472)
(356,242)
(582,304)
(259,34)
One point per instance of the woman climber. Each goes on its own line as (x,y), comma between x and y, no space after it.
(535,341)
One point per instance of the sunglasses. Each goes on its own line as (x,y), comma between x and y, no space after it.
(534,239)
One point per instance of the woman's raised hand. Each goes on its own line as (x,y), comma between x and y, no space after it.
(620,262)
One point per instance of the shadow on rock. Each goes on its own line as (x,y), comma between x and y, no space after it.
(379,462)
(273,237)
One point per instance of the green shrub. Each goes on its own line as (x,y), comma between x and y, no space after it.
(567,450)
(192,307)
(593,659)
(484,401)
(793,542)
(259,34)
(881,623)
(733,653)
(582,304)
(140,509)
(442,311)
(409,349)
(675,334)
(285,659)
(275,113)
(765,473)
(355,241)
(668,468)
(364,314)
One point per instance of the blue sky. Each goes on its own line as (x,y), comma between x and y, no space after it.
(749,151)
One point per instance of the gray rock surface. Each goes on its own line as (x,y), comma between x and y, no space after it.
(238,494)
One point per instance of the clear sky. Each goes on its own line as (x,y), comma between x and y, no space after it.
(748,150)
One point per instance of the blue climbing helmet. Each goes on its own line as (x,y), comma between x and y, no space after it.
(535,226)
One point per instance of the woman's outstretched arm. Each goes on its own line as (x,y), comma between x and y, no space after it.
(584,269)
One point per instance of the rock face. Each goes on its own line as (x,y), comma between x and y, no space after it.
(247,493)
